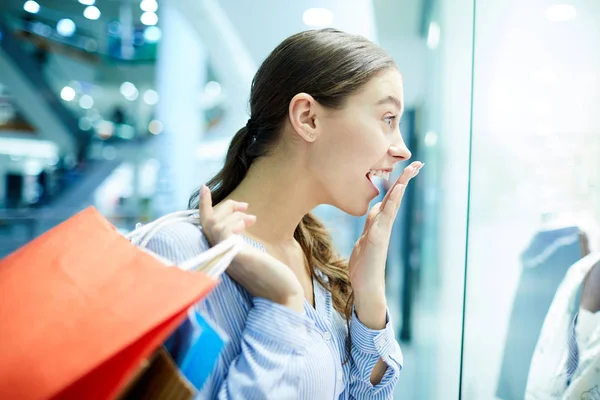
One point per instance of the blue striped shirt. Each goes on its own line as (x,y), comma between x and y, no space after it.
(274,352)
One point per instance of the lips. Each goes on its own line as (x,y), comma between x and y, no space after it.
(375,188)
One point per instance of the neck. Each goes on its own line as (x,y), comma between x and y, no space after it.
(279,193)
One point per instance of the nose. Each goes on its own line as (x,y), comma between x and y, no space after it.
(399,151)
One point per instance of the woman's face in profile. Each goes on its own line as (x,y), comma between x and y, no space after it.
(357,140)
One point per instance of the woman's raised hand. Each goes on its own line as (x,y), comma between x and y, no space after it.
(258,272)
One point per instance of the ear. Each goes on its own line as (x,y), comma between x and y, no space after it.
(303,116)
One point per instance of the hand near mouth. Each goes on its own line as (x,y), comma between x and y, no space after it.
(367,262)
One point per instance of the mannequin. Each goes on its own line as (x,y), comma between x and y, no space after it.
(566,362)
(590,292)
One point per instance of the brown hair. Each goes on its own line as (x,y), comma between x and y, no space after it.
(329,65)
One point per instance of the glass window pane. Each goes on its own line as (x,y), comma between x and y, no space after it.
(535,175)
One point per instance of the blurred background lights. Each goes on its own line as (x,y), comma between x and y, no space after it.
(317,17)
(31,7)
(149,5)
(150,97)
(91,12)
(152,34)
(86,102)
(67,93)
(129,91)
(85,124)
(149,18)
(430,139)
(65,27)
(155,127)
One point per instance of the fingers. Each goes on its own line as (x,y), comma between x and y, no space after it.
(234,223)
(219,223)
(389,212)
(409,172)
(228,207)
(371,216)
(205,204)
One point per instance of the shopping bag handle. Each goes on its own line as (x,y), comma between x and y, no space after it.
(142,235)
(213,262)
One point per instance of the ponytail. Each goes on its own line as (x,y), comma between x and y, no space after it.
(237,163)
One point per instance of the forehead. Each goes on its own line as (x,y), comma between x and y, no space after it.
(381,86)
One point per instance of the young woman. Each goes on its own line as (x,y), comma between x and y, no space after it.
(304,324)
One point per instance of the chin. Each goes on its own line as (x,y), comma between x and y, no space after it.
(355,201)
(356,210)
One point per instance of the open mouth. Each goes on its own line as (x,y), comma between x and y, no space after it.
(379,173)
(375,174)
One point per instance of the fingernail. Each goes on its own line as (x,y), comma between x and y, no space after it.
(416,172)
(203,190)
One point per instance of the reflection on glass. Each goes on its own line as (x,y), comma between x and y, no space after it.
(532,322)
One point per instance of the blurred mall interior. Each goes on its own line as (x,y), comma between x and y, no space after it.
(129,106)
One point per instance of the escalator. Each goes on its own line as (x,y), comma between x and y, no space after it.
(35,97)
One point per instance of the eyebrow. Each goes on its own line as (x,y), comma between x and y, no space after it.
(391,100)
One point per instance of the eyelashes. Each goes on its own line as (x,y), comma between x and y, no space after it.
(392,120)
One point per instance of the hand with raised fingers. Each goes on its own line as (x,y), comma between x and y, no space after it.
(368,259)
(258,272)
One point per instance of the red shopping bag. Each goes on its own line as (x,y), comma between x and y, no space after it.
(81,308)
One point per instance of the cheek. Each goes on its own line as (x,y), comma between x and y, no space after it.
(368,148)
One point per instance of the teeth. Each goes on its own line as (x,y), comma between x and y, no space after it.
(379,173)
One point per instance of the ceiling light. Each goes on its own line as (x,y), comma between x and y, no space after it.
(152,34)
(561,12)
(433,36)
(31,7)
(317,17)
(87,2)
(65,27)
(150,97)
(91,12)
(149,18)
(67,93)
(149,5)
(86,102)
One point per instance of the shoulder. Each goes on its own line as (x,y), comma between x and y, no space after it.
(178,241)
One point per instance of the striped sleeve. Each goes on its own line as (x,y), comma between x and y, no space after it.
(368,346)
(266,354)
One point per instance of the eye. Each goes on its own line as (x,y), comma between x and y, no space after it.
(391,120)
